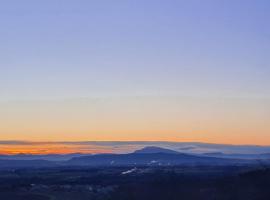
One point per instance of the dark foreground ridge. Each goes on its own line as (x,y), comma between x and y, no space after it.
(140,183)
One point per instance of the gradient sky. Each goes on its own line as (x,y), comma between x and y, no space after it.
(192,70)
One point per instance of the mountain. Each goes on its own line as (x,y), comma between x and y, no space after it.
(11,164)
(153,149)
(152,156)
(148,156)
(49,157)
(264,156)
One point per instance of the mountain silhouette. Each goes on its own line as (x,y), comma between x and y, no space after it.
(152,156)
(154,149)
(148,156)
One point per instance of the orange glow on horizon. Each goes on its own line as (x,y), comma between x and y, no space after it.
(57,147)
(236,121)
(49,149)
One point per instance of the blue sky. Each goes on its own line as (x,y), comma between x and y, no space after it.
(87,48)
(54,50)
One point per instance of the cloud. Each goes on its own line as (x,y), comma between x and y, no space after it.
(15,142)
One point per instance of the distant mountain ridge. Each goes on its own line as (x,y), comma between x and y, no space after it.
(238,156)
(147,156)
(154,149)
(11,164)
(48,157)
(153,156)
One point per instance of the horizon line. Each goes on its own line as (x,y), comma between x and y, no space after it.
(29,142)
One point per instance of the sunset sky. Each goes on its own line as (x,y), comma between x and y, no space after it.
(145,70)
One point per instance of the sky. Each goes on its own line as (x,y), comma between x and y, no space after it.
(155,70)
